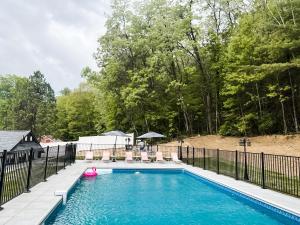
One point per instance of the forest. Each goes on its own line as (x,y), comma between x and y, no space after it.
(179,67)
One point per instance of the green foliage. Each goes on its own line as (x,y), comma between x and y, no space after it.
(76,114)
(27,104)
(183,67)
(261,78)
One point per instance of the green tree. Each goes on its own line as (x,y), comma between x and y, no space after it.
(12,90)
(76,114)
(40,104)
(262,63)
(27,104)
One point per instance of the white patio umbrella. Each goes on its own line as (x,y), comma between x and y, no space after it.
(115,133)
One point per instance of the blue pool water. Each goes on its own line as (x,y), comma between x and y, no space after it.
(157,198)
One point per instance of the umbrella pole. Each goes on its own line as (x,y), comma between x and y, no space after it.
(115,149)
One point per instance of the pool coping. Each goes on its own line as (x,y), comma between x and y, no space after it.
(249,198)
(38,207)
(253,191)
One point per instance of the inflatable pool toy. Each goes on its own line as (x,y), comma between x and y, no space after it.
(92,173)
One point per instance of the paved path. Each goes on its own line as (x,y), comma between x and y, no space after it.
(32,208)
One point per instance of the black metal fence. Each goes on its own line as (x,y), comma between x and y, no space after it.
(21,170)
(276,172)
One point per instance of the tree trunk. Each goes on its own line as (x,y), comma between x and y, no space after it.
(259,101)
(243,118)
(206,80)
(217,112)
(186,120)
(134,127)
(283,118)
(199,62)
(208,108)
(185,115)
(146,123)
(293,103)
(292,11)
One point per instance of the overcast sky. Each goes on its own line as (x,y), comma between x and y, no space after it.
(57,37)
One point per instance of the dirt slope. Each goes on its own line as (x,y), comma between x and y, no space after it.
(273,144)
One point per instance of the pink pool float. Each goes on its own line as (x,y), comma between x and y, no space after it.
(92,173)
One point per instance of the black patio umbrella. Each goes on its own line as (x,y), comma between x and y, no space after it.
(151,135)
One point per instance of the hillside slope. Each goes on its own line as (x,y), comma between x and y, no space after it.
(272,144)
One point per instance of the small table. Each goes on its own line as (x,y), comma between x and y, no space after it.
(152,157)
(136,158)
(168,158)
(113,158)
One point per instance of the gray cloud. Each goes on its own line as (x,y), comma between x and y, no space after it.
(56,37)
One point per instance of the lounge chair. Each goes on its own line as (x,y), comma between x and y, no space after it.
(159,157)
(129,157)
(144,157)
(89,156)
(106,156)
(174,157)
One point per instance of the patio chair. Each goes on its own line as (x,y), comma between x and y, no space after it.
(159,157)
(106,156)
(89,156)
(174,157)
(144,157)
(129,157)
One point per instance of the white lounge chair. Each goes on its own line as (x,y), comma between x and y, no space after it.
(159,157)
(129,157)
(106,156)
(144,157)
(174,157)
(89,156)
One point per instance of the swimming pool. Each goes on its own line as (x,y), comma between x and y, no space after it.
(159,197)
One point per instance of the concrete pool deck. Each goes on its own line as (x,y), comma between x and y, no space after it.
(32,208)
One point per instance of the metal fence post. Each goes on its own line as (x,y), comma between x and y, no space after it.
(46,164)
(180,153)
(57,156)
(74,153)
(246,175)
(204,158)
(2,177)
(218,161)
(157,148)
(193,156)
(263,185)
(236,165)
(187,155)
(70,153)
(29,170)
(66,148)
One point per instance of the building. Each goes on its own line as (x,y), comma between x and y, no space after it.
(19,140)
(47,139)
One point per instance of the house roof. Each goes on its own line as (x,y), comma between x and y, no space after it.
(9,139)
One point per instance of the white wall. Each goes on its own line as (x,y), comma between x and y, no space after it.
(98,142)
(56,143)
(84,143)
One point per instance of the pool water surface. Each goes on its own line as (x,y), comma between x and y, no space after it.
(156,197)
